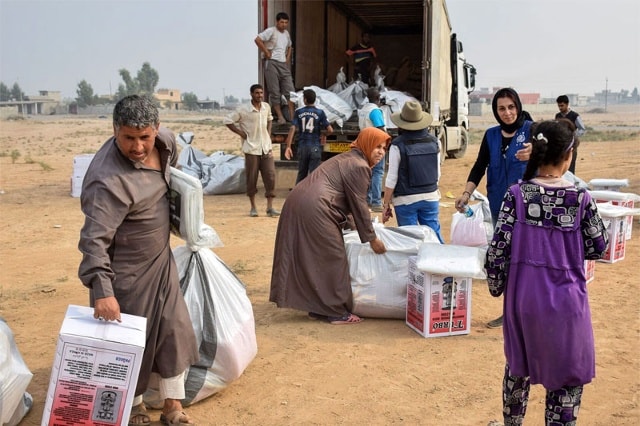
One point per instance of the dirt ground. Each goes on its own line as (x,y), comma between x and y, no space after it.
(306,372)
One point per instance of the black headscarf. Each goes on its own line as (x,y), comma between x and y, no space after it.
(508,92)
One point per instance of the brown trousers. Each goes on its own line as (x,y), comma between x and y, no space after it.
(266,166)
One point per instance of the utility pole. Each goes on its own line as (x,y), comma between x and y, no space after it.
(606,92)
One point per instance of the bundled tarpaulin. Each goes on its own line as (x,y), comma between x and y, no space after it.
(452,260)
(219,173)
(187,213)
(379,281)
(608,184)
(476,230)
(337,110)
(223,322)
(15,376)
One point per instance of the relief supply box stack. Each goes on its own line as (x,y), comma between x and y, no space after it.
(95,370)
(80,165)
(615,219)
(437,305)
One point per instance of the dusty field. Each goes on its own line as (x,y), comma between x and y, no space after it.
(378,372)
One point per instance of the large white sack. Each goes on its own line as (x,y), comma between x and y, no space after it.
(393,101)
(341,82)
(379,281)
(189,158)
(187,213)
(15,376)
(219,173)
(338,111)
(452,260)
(355,94)
(223,174)
(223,322)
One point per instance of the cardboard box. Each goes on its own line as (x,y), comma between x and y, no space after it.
(95,370)
(617,229)
(623,203)
(589,270)
(437,305)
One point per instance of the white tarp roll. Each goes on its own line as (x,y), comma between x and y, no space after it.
(379,281)
(452,260)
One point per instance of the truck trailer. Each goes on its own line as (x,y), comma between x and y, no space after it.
(418,52)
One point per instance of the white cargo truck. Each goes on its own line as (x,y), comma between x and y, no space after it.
(415,44)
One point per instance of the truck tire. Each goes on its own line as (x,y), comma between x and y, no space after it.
(464,142)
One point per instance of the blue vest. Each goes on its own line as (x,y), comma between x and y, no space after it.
(504,168)
(418,169)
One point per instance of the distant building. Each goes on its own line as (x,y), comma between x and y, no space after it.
(44,103)
(169,98)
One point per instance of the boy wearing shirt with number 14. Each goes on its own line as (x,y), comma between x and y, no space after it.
(312,125)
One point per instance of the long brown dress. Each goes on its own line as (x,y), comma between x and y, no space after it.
(310,268)
(126,253)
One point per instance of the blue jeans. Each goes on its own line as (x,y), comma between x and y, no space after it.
(309,158)
(421,212)
(374,196)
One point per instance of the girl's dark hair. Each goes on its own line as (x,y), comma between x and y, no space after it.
(551,142)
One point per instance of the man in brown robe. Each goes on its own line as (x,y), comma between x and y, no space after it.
(310,265)
(127,261)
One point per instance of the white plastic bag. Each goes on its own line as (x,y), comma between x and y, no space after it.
(15,376)
(474,231)
(379,281)
(187,213)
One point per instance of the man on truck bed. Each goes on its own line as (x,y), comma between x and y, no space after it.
(363,56)
(275,45)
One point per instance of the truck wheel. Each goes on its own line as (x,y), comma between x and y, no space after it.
(464,142)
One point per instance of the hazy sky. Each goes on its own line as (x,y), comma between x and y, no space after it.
(206,46)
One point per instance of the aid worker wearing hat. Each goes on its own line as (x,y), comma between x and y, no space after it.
(414,171)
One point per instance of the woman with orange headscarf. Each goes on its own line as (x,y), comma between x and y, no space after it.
(310,269)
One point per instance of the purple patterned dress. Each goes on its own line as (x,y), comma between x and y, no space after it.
(543,235)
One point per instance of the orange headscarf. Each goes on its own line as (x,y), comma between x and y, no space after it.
(368,139)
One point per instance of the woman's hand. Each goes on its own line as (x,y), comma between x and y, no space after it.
(462,201)
(377,246)
(524,153)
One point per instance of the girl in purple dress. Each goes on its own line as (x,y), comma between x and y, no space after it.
(546,229)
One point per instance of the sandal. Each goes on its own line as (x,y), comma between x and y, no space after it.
(347,318)
(139,416)
(176,417)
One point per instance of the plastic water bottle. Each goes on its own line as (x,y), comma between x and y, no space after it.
(468,212)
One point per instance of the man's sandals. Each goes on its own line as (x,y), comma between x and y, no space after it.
(176,417)
(139,416)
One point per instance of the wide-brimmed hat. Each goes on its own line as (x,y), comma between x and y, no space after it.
(412,117)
